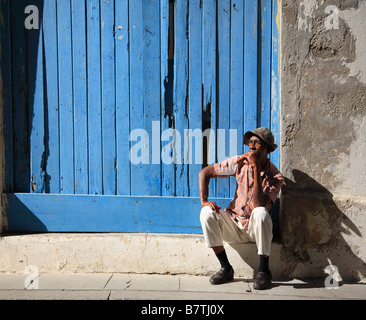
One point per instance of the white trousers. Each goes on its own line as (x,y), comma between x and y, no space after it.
(222,227)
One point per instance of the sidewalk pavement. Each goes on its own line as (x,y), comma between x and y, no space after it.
(108,286)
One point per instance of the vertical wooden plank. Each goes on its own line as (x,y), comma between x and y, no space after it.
(275,114)
(237,74)
(151,58)
(52,155)
(94,98)
(250,64)
(195,93)
(65,97)
(167,170)
(136,88)
(108,97)
(209,76)
(275,92)
(81,185)
(266,36)
(223,94)
(181,93)
(36,107)
(21,146)
(7,106)
(122,97)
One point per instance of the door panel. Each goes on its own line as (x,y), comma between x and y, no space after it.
(122,98)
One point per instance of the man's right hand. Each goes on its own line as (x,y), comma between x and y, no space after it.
(213,205)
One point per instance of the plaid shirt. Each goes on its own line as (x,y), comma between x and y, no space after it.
(242,204)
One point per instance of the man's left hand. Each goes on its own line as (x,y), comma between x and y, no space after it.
(250,157)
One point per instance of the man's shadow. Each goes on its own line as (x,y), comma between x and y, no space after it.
(315,233)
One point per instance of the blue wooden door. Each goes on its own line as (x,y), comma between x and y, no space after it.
(112,107)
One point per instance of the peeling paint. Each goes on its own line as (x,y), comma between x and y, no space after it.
(351,170)
(305,14)
(357,68)
(323,139)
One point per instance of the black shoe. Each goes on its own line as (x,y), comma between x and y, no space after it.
(222,276)
(262,281)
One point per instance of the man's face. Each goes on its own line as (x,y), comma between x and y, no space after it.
(258,147)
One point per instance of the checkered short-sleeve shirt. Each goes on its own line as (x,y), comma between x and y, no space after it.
(242,204)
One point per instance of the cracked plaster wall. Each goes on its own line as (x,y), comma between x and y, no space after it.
(2,146)
(323,137)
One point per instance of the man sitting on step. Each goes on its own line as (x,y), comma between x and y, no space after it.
(247,217)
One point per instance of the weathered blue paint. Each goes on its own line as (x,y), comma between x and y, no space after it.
(80,105)
(265,63)
(98,69)
(236,77)
(122,98)
(36,109)
(209,47)
(167,171)
(95,163)
(194,88)
(108,96)
(136,29)
(66,115)
(180,90)
(223,75)
(151,94)
(275,90)
(51,99)
(87,213)
(251,44)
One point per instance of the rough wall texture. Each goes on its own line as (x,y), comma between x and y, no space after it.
(2,147)
(323,136)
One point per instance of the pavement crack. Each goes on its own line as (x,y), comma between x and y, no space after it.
(109,279)
(128,284)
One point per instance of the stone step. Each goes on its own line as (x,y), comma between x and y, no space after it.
(125,253)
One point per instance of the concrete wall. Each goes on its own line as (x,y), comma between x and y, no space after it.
(323,136)
(2,146)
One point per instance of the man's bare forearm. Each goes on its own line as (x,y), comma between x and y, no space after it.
(203,182)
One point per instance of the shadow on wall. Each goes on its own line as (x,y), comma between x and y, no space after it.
(315,233)
(314,230)
(23,70)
